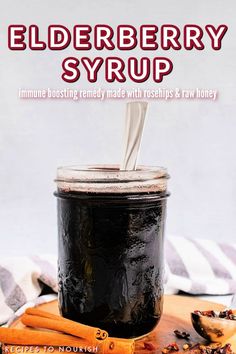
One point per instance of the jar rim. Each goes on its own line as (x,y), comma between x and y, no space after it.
(108,173)
(110,179)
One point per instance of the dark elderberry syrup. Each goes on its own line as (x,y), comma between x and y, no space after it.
(111,259)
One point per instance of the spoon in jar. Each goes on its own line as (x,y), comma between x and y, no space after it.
(134,124)
(215,328)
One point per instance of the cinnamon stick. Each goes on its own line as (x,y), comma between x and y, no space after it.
(118,346)
(62,324)
(43,338)
(29,337)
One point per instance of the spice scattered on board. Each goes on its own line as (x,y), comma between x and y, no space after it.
(211,349)
(181,335)
(187,346)
(173,347)
(196,348)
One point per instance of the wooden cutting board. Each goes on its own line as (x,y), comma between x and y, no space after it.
(176,315)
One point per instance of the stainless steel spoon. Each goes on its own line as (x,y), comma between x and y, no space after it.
(215,329)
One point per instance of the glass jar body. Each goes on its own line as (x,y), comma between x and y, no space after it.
(111,259)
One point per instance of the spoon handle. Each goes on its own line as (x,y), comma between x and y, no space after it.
(233,302)
(135,117)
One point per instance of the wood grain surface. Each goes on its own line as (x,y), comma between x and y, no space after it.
(176,315)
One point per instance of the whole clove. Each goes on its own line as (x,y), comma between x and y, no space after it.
(182,335)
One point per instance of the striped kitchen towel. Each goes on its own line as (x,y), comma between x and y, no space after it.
(194,266)
(23,280)
(200,266)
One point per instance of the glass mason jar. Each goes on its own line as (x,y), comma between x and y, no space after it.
(111,229)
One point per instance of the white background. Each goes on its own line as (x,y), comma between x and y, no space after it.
(195,140)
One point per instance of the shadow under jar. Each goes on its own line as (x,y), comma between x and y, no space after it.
(111,229)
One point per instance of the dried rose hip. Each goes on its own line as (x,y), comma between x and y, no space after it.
(226,314)
(225,350)
(173,347)
(213,349)
(208,313)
